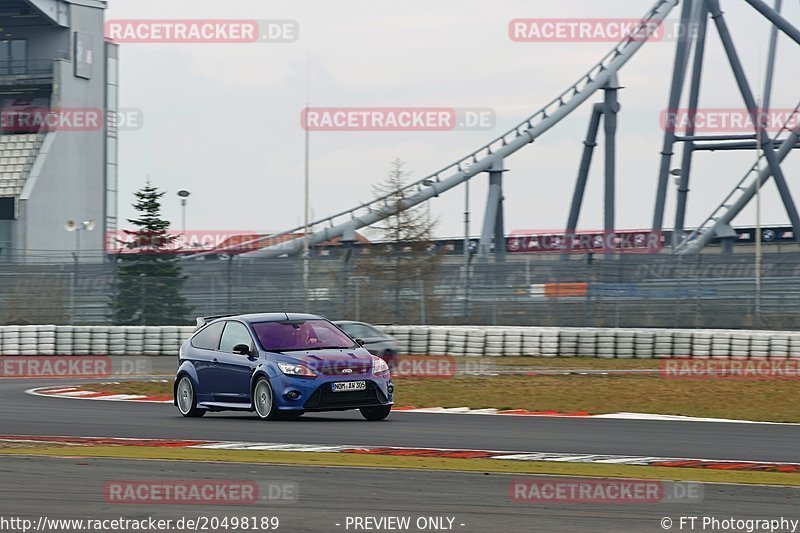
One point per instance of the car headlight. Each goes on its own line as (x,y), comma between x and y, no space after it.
(295,369)
(379,366)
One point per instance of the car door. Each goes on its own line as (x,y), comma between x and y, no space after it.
(204,356)
(372,338)
(234,370)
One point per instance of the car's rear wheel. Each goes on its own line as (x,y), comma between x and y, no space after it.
(264,400)
(376,413)
(187,399)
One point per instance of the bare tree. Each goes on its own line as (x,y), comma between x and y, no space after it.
(411,226)
(405,268)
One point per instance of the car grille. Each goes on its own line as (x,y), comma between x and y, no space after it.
(325,398)
(336,368)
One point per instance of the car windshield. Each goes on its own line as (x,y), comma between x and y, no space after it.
(292,335)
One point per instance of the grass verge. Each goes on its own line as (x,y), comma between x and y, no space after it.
(768,400)
(772,401)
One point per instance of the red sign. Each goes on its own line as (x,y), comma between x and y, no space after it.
(530,241)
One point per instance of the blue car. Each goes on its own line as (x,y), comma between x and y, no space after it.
(280,366)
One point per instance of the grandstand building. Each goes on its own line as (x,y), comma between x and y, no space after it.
(58,141)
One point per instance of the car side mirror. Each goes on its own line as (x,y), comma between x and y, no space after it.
(360,342)
(241,349)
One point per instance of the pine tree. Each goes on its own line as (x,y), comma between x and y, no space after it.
(149,277)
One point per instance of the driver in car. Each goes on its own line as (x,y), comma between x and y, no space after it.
(307,335)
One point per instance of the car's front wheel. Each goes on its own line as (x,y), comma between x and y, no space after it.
(264,400)
(376,413)
(186,399)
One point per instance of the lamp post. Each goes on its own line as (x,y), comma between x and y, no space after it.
(466,249)
(183,194)
(72,226)
(758,259)
(306,213)
(307,190)
(676,172)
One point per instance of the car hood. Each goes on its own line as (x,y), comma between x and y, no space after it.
(346,362)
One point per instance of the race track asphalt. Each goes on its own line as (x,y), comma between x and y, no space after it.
(65,488)
(25,414)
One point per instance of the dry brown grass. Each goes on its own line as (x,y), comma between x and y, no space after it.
(771,400)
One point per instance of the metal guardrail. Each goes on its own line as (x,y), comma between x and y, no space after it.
(712,291)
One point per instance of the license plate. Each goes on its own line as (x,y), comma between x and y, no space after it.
(347,386)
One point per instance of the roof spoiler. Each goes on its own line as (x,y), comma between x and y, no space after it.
(203,320)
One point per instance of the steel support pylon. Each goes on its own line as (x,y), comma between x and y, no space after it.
(607,113)
(493,233)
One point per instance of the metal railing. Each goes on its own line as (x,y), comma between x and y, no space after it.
(31,67)
(714,291)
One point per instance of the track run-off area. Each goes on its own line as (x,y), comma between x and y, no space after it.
(438,464)
(26,414)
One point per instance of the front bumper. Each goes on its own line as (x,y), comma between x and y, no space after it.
(324,399)
(299,394)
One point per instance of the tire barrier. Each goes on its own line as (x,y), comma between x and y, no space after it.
(92,340)
(624,343)
(471,341)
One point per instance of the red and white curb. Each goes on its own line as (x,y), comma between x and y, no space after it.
(443,453)
(78,393)
(82,393)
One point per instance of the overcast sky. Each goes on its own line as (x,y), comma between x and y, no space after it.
(223,120)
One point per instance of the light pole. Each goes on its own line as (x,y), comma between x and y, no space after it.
(676,172)
(70,226)
(758,267)
(183,194)
(306,189)
(466,248)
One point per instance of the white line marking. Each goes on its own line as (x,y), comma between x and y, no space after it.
(678,418)
(121,397)
(76,394)
(502,455)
